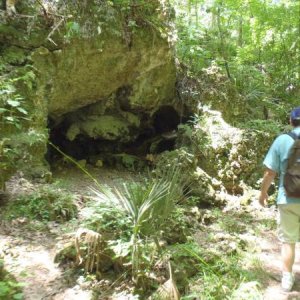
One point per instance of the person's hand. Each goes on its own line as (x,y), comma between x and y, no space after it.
(263,199)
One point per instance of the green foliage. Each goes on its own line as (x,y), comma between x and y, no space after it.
(9,287)
(270,126)
(192,135)
(147,207)
(264,225)
(107,219)
(72,30)
(179,226)
(147,204)
(10,290)
(13,116)
(255,44)
(12,55)
(16,112)
(230,222)
(120,18)
(219,267)
(12,107)
(182,158)
(45,204)
(6,160)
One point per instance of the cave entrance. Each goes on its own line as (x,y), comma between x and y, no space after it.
(94,140)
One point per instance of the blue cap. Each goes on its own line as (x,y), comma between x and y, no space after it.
(295,114)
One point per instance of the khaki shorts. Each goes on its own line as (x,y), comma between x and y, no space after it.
(289,223)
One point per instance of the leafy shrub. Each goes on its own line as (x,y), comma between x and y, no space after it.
(148,204)
(45,204)
(107,220)
(147,207)
(269,126)
(12,111)
(13,115)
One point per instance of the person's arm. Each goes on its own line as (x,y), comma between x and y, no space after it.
(269,176)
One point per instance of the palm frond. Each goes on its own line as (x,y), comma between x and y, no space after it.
(169,290)
(95,245)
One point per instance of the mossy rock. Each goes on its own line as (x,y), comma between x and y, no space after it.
(106,127)
(86,61)
(128,161)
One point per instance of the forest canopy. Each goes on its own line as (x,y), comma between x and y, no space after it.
(255,43)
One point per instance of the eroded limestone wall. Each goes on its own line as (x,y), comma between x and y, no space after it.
(113,56)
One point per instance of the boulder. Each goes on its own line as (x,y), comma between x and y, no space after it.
(229,154)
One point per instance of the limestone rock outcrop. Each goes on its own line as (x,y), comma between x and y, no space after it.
(102,69)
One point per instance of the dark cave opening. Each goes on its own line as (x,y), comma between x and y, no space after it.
(165,119)
(156,134)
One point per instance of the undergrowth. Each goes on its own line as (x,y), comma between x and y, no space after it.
(47,203)
(225,278)
(218,267)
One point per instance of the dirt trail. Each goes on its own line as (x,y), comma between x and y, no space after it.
(31,260)
(270,257)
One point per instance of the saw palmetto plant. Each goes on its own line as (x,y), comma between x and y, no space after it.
(148,206)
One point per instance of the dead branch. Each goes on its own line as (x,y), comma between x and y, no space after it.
(53,30)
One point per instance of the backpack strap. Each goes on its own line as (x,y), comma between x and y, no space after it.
(293,135)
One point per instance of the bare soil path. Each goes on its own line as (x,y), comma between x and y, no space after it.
(270,257)
(31,261)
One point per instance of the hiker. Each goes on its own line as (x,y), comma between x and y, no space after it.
(276,162)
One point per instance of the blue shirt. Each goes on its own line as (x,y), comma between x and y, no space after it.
(276,160)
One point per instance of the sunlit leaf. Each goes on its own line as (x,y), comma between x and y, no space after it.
(22,110)
(13,103)
(11,119)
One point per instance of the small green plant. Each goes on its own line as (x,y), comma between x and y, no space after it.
(12,110)
(73,29)
(9,287)
(106,219)
(45,204)
(179,226)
